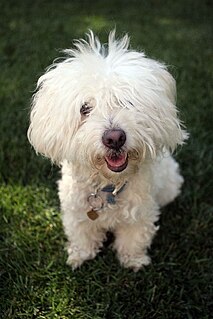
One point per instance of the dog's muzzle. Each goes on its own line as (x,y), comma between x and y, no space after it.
(116,158)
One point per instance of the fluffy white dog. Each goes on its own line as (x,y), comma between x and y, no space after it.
(107,114)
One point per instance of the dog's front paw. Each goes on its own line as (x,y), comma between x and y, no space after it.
(134,262)
(74,261)
(76,256)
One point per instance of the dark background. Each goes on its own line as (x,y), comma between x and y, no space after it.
(34,279)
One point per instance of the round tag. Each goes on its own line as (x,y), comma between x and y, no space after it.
(95,201)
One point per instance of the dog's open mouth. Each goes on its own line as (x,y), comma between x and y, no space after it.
(117,162)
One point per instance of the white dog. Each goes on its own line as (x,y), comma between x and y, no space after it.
(107,114)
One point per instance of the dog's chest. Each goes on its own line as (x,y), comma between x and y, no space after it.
(105,203)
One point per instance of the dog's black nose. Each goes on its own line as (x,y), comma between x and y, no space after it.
(114,138)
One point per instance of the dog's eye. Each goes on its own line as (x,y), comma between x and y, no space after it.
(85,109)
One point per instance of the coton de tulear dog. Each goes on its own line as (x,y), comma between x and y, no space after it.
(107,114)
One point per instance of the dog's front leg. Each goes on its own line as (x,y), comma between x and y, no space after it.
(132,241)
(84,241)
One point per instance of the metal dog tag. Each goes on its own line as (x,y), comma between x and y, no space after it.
(95,201)
(92,214)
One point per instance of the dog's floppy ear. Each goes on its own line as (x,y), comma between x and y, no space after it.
(52,119)
(167,129)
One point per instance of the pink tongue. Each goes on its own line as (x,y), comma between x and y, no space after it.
(116,161)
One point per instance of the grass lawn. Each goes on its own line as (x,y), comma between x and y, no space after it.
(34,279)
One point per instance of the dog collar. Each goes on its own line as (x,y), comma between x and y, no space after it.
(96,201)
(111,196)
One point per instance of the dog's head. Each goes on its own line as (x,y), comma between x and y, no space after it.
(105,108)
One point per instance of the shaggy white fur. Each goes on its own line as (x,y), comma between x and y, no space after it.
(107,114)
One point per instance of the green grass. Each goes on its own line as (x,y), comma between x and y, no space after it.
(34,279)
